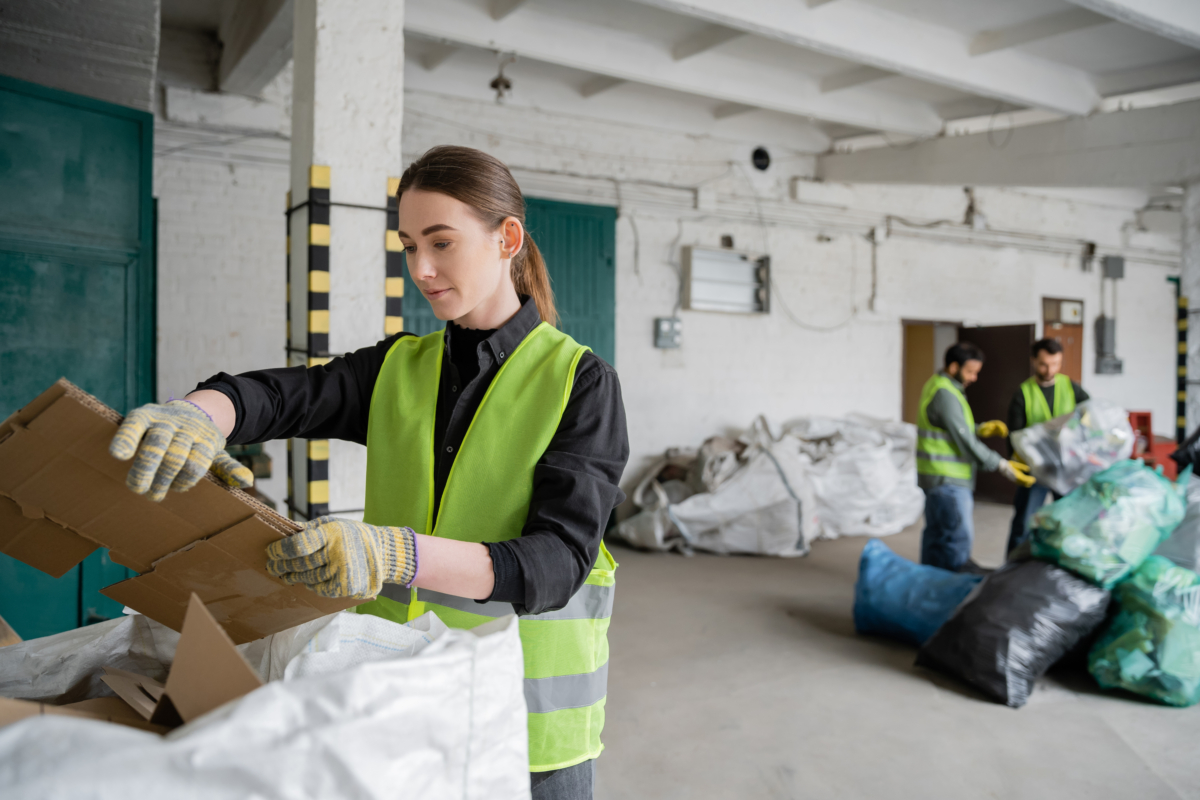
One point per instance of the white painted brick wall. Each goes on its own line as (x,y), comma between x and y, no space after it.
(218,223)
(221,257)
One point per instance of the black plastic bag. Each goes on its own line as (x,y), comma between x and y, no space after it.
(1013,627)
(1188,451)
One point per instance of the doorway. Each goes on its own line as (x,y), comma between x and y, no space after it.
(77,295)
(579,243)
(1006,348)
(925,345)
(1063,320)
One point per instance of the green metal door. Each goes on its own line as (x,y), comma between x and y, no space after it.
(579,245)
(76,294)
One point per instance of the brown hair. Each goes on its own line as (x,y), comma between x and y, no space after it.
(485,184)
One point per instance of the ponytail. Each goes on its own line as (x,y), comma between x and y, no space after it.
(529,277)
(485,184)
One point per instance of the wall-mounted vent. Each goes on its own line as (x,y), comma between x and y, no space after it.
(726,280)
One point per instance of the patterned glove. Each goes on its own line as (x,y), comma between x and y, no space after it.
(990,428)
(343,558)
(175,443)
(1017,472)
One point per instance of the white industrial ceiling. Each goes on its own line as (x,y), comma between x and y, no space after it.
(806,73)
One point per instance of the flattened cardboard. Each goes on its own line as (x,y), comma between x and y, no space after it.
(207,672)
(103,709)
(62,496)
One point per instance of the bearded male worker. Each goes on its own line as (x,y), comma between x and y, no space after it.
(948,454)
(1046,394)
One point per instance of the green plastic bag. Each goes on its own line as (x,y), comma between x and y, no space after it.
(1152,647)
(1106,528)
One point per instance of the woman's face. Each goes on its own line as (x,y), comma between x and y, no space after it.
(458,264)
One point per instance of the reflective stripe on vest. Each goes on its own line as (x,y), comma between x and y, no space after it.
(937,454)
(1036,410)
(486,499)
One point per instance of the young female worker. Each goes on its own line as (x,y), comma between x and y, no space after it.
(493,454)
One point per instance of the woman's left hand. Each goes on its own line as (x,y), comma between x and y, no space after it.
(343,558)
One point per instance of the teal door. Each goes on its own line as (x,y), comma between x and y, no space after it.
(579,245)
(76,294)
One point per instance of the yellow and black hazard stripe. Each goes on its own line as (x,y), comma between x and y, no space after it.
(1181,314)
(393,287)
(318,327)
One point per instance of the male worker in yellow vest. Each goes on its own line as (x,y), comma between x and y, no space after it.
(948,454)
(1044,395)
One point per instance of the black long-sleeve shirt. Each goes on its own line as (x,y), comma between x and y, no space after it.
(575,483)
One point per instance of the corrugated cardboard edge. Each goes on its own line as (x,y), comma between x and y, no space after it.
(101,709)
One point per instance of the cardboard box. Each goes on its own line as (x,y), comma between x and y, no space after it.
(62,496)
(207,673)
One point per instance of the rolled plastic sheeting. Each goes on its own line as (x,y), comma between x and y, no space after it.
(899,599)
(1152,647)
(1021,620)
(1106,528)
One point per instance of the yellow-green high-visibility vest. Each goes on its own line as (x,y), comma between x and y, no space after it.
(486,499)
(937,454)
(1036,410)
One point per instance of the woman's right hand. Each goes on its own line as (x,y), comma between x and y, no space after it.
(172,446)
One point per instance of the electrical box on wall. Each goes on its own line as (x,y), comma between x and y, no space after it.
(668,332)
(725,280)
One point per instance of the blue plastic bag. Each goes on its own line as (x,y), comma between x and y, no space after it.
(1106,528)
(896,598)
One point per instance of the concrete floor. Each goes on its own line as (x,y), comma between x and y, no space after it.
(743,678)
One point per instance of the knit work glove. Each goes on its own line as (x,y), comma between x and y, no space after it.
(175,444)
(343,558)
(1017,472)
(991,428)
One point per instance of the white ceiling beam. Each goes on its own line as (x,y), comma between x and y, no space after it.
(866,34)
(598,84)
(499,9)
(435,54)
(727,110)
(816,3)
(853,77)
(257,43)
(1155,76)
(703,41)
(1178,20)
(560,40)
(1127,149)
(1074,19)
(542,98)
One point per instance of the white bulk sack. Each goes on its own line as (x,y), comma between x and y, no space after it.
(363,708)
(862,472)
(1064,452)
(763,506)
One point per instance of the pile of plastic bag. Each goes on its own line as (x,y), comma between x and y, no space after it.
(774,495)
(1064,452)
(1152,647)
(355,707)
(1104,529)
(1001,636)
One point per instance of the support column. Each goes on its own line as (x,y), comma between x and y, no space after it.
(347,107)
(1189,286)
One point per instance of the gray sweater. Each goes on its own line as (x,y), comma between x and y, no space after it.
(946,412)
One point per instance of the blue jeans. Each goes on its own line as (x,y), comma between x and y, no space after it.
(569,783)
(949,527)
(1025,505)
